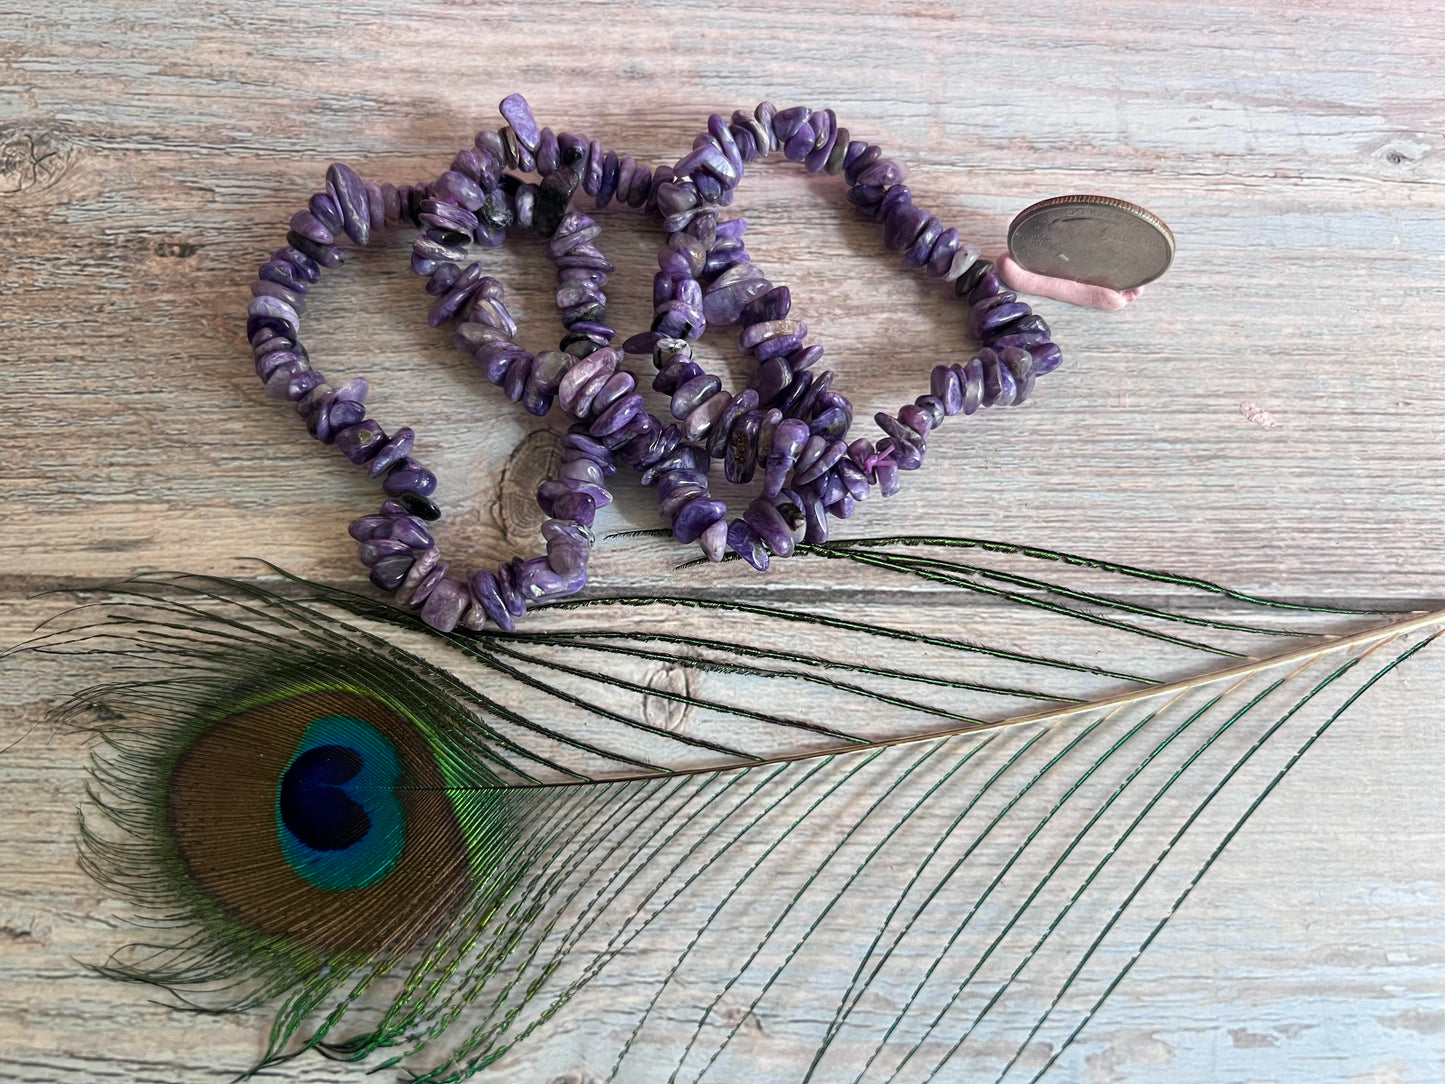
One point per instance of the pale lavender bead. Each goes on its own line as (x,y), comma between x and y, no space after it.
(279,314)
(445,604)
(518,114)
(714,539)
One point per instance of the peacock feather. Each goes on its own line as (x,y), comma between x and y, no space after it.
(418,849)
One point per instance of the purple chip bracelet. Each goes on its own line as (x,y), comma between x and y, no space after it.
(799,432)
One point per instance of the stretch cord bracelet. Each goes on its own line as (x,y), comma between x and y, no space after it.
(1017,346)
(273,330)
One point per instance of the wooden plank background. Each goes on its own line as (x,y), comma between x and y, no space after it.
(151,152)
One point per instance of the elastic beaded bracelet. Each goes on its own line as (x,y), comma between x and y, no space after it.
(394,543)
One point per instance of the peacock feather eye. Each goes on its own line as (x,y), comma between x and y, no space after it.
(337,814)
(317,817)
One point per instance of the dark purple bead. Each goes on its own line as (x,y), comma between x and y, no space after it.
(768,524)
(326,211)
(1001,314)
(1047,357)
(388,572)
(1005,336)
(832,423)
(945,384)
(350,195)
(511,598)
(607,187)
(717,440)
(771,377)
(787,121)
(741,453)
(267,288)
(411,531)
(689,396)
(575,506)
(442,278)
(409,476)
(887,474)
(800,143)
(617,415)
(484,589)
(883,172)
(325,255)
(307,269)
(695,517)
(894,200)
(283,273)
(374,526)
(374,549)
(573,149)
(392,452)
(804,358)
(917,254)
(744,541)
(902,226)
(461,292)
(592,178)
(940,257)
(772,305)
(869,201)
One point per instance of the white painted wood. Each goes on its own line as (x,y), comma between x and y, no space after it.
(149,156)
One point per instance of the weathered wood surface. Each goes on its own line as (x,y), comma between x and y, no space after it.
(149,155)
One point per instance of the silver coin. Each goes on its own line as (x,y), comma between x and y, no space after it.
(1095,239)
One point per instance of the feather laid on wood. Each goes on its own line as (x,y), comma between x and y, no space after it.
(423,847)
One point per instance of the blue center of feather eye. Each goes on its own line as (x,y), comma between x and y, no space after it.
(337,816)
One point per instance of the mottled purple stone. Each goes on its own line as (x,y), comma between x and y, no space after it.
(884,172)
(944,383)
(392,453)
(484,589)
(917,254)
(516,112)
(887,474)
(831,452)
(689,396)
(1001,314)
(800,143)
(596,159)
(374,549)
(767,307)
(575,506)
(266,288)
(1047,357)
(860,156)
(940,257)
(617,415)
(746,402)
(714,540)
(389,572)
(307,269)
(768,524)
(902,226)
(507,588)
(740,455)
(425,564)
(326,211)
(409,476)
(283,273)
(350,195)
(445,603)
(746,543)
(787,121)
(311,228)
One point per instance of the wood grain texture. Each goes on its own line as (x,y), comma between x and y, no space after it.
(151,152)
